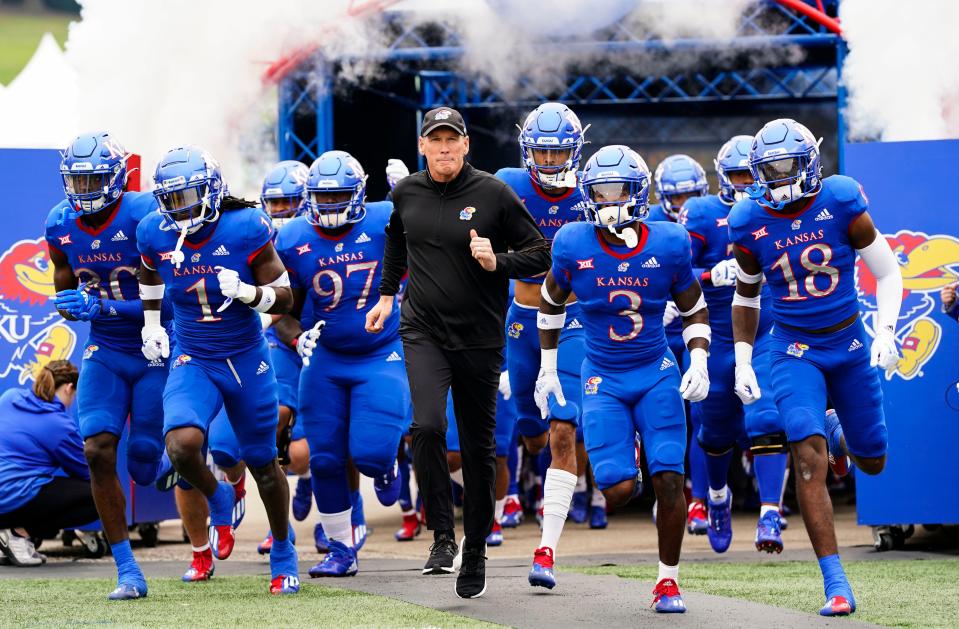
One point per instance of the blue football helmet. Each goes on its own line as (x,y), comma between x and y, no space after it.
(189,188)
(615,187)
(335,190)
(733,157)
(679,175)
(784,160)
(94,172)
(284,191)
(552,127)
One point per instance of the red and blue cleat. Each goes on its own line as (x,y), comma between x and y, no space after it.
(720,531)
(128,591)
(339,562)
(410,529)
(302,499)
(202,567)
(769,533)
(512,513)
(697,520)
(495,537)
(285,584)
(838,606)
(541,574)
(668,599)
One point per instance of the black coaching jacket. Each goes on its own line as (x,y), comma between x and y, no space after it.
(449,296)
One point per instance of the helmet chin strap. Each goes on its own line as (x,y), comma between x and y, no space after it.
(626,235)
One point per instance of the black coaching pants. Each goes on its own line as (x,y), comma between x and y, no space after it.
(473,375)
(61,503)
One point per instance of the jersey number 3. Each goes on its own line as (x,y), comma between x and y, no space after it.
(631,313)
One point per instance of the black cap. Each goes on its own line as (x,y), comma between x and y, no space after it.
(443,117)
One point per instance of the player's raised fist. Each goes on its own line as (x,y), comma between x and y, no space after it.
(233,287)
(378,314)
(482,251)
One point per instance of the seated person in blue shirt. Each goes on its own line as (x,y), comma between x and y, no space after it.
(44,479)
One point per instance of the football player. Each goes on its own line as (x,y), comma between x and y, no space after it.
(623,271)
(215,255)
(802,232)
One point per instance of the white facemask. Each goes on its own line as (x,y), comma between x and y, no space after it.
(329,220)
(615,214)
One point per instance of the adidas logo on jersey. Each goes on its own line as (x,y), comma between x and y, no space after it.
(221,251)
(117,237)
(856,344)
(393,357)
(263,368)
(156,362)
(113,312)
(362,238)
(824,216)
(666,364)
(574,325)
(652,263)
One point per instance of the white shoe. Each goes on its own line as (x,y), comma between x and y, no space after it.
(19,550)
(458,559)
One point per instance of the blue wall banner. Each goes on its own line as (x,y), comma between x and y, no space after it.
(909,189)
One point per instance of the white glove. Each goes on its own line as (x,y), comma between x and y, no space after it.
(724,273)
(232,287)
(395,170)
(670,314)
(695,383)
(504,387)
(548,382)
(883,352)
(156,343)
(266,320)
(746,387)
(307,341)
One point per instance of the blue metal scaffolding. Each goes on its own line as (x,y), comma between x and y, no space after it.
(305,122)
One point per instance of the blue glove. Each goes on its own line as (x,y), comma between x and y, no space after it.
(78,303)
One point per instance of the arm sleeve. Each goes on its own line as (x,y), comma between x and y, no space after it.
(530,253)
(69,453)
(130,310)
(881,261)
(684,268)
(394,254)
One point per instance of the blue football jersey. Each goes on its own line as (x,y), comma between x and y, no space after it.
(657,213)
(806,256)
(232,241)
(107,259)
(548,212)
(340,274)
(706,219)
(623,292)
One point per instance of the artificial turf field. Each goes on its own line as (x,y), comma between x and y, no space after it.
(896,593)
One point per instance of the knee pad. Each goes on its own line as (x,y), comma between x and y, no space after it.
(713,449)
(326,464)
(258,455)
(768,444)
(143,460)
(666,457)
(532,426)
(608,473)
(224,459)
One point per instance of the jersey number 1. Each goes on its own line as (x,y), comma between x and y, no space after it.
(199,287)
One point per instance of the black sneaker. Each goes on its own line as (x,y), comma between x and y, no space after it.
(471,582)
(441,556)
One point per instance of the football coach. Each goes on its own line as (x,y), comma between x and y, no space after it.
(461,234)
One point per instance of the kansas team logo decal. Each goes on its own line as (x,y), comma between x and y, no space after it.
(927,262)
(467,213)
(88,352)
(515,329)
(796,349)
(32,333)
(592,385)
(181,360)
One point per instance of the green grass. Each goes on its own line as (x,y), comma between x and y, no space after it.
(223,602)
(899,593)
(19,35)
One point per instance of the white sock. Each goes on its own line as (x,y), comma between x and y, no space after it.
(668,572)
(764,509)
(599,499)
(200,549)
(581,483)
(718,495)
(457,477)
(307,475)
(498,509)
(557,494)
(338,526)
(409,512)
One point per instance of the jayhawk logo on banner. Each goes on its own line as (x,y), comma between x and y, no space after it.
(32,333)
(927,263)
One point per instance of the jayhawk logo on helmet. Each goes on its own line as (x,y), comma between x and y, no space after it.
(927,262)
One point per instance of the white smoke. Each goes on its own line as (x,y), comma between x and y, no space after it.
(901,72)
(159,74)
